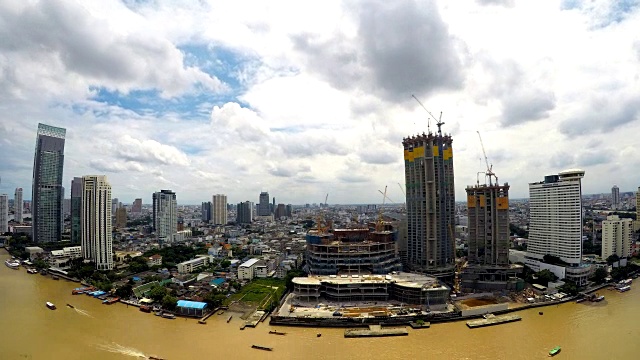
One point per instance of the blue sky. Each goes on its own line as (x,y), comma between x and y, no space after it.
(308,98)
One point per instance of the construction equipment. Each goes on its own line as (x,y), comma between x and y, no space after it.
(439,122)
(489,173)
(380,222)
(401,189)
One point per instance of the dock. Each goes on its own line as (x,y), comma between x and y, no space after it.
(415,325)
(375,331)
(493,320)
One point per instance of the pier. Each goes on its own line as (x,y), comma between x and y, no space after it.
(375,331)
(493,320)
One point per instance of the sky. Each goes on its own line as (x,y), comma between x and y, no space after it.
(308,98)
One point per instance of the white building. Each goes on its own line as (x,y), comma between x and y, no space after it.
(617,237)
(219,209)
(246,270)
(18,205)
(181,236)
(4,213)
(555,225)
(193,264)
(95,223)
(165,214)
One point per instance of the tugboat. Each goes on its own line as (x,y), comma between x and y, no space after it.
(274,332)
(50,305)
(168,316)
(70,306)
(554,351)
(262,347)
(145,308)
(229,319)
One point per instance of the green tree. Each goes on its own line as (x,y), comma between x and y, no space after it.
(169,302)
(599,275)
(124,291)
(543,277)
(612,259)
(292,274)
(158,292)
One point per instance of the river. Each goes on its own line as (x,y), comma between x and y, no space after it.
(606,330)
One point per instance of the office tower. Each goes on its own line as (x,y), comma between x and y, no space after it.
(17,205)
(289,211)
(555,225)
(617,235)
(165,214)
(219,209)
(4,213)
(66,208)
(273,206)
(430,191)
(244,213)
(615,197)
(488,211)
(137,206)
(263,205)
(47,194)
(76,209)
(114,206)
(121,218)
(96,221)
(280,211)
(206,211)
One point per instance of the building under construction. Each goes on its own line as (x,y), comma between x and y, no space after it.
(359,251)
(488,260)
(430,190)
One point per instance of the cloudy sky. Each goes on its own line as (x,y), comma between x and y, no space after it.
(305,98)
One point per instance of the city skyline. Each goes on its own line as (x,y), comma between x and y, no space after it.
(236,102)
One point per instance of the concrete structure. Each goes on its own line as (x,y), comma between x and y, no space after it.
(154,260)
(114,206)
(246,270)
(76,209)
(615,197)
(636,224)
(96,228)
(430,189)
(244,213)
(264,208)
(555,226)
(205,210)
(121,218)
(48,193)
(193,264)
(33,251)
(488,211)
(136,208)
(407,288)
(18,205)
(4,213)
(280,212)
(181,235)
(219,209)
(165,215)
(191,308)
(289,211)
(617,235)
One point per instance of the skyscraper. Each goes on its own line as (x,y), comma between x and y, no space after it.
(636,224)
(428,161)
(615,197)
(555,225)
(96,226)
(280,211)
(121,218)
(47,194)
(617,237)
(137,206)
(18,206)
(76,209)
(165,214)
(206,211)
(219,209)
(488,211)
(114,206)
(4,213)
(264,208)
(244,213)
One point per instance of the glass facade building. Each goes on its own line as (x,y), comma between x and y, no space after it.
(47,195)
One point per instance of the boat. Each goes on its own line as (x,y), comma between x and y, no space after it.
(540,313)
(82,290)
(32,271)
(274,332)
(50,305)
(554,351)
(145,308)
(625,288)
(157,307)
(13,264)
(318,335)
(154,358)
(598,298)
(168,316)
(158,313)
(70,306)
(259,347)
(580,300)
(55,277)
(229,319)
(43,272)
(110,301)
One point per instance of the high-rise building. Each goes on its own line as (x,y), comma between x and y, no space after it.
(47,194)
(289,211)
(165,214)
(555,225)
(4,213)
(615,197)
(219,209)
(96,227)
(66,207)
(636,224)
(18,205)
(137,206)
(488,211)
(264,208)
(617,237)
(121,218)
(76,209)
(430,191)
(244,213)
(114,206)
(206,211)
(280,211)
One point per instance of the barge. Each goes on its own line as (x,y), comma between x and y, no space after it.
(492,320)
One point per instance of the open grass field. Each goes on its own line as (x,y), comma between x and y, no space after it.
(140,290)
(259,292)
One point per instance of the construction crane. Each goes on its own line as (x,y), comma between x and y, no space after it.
(489,173)
(380,223)
(387,197)
(439,122)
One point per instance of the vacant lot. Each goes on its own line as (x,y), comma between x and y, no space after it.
(259,293)
(479,302)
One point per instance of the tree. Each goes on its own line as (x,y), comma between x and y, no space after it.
(612,259)
(169,302)
(599,275)
(569,287)
(158,292)
(214,299)
(124,291)
(288,279)
(544,277)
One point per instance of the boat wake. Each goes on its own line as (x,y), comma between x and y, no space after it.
(119,349)
(82,312)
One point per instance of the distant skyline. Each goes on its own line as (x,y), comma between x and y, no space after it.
(308,98)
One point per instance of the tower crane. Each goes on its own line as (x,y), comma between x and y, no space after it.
(380,223)
(489,173)
(438,121)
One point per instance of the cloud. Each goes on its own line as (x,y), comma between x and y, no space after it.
(381,157)
(119,167)
(149,151)
(241,122)
(601,114)
(506,3)
(527,105)
(593,157)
